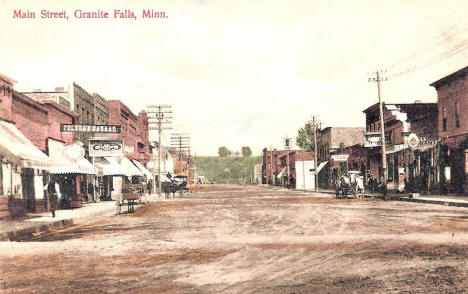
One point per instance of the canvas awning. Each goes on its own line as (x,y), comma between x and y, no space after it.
(142,169)
(281,172)
(109,166)
(321,165)
(66,165)
(130,167)
(16,148)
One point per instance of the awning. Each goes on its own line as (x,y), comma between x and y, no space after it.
(130,167)
(16,148)
(281,172)
(321,165)
(109,166)
(85,166)
(65,165)
(62,165)
(142,169)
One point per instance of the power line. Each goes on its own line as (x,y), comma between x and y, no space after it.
(439,42)
(159,118)
(448,53)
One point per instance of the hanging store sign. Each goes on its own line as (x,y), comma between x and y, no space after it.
(106,148)
(413,140)
(372,140)
(340,157)
(90,128)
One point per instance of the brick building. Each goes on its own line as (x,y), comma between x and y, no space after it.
(402,120)
(452,99)
(134,130)
(31,118)
(6,91)
(91,108)
(278,164)
(331,139)
(58,114)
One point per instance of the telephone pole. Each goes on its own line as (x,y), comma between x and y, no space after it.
(287,141)
(316,125)
(378,78)
(160,116)
(181,141)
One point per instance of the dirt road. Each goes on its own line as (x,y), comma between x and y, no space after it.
(250,241)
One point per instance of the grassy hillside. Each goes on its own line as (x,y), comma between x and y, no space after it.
(226,170)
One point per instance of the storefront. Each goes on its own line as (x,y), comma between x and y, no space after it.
(72,172)
(22,166)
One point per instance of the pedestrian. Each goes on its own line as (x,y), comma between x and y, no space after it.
(53,190)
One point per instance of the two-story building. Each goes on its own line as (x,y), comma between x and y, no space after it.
(452,100)
(411,143)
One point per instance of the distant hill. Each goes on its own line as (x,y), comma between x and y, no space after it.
(226,170)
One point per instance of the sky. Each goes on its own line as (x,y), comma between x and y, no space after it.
(240,73)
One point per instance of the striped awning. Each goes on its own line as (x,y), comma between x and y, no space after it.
(142,169)
(131,169)
(17,149)
(110,167)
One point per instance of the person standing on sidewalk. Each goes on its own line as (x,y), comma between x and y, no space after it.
(53,190)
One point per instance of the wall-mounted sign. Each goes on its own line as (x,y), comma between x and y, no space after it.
(340,157)
(413,140)
(90,128)
(372,140)
(106,148)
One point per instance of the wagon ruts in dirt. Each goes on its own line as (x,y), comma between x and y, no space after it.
(174,184)
(131,193)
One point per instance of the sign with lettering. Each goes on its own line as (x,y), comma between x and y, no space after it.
(372,140)
(106,148)
(340,157)
(90,128)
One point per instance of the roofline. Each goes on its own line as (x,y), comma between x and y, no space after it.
(60,108)
(450,77)
(8,79)
(29,101)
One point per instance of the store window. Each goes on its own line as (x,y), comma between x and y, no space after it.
(444,118)
(457,115)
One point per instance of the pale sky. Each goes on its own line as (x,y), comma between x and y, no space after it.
(240,73)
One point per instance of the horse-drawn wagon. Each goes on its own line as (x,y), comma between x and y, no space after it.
(173,184)
(131,193)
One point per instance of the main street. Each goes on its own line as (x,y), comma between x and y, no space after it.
(249,240)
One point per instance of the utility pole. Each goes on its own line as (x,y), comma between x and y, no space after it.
(160,121)
(181,141)
(287,144)
(378,78)
(315,123)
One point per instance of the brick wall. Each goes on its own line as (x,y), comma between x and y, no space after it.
(58,115)
(134,130)
(31,119)
(6,92)
(447,95)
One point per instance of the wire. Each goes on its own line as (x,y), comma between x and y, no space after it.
(449,53)
(434,45)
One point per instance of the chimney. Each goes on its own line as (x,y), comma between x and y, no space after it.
(417,101)
(37,90)
(60,89)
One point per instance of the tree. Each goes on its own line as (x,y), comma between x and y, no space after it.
(223,151)
(246,152)
(305,136)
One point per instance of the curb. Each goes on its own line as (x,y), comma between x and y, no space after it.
(31,231)
(429,201)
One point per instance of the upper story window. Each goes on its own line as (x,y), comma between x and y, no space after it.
(444,118)
(457,115)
